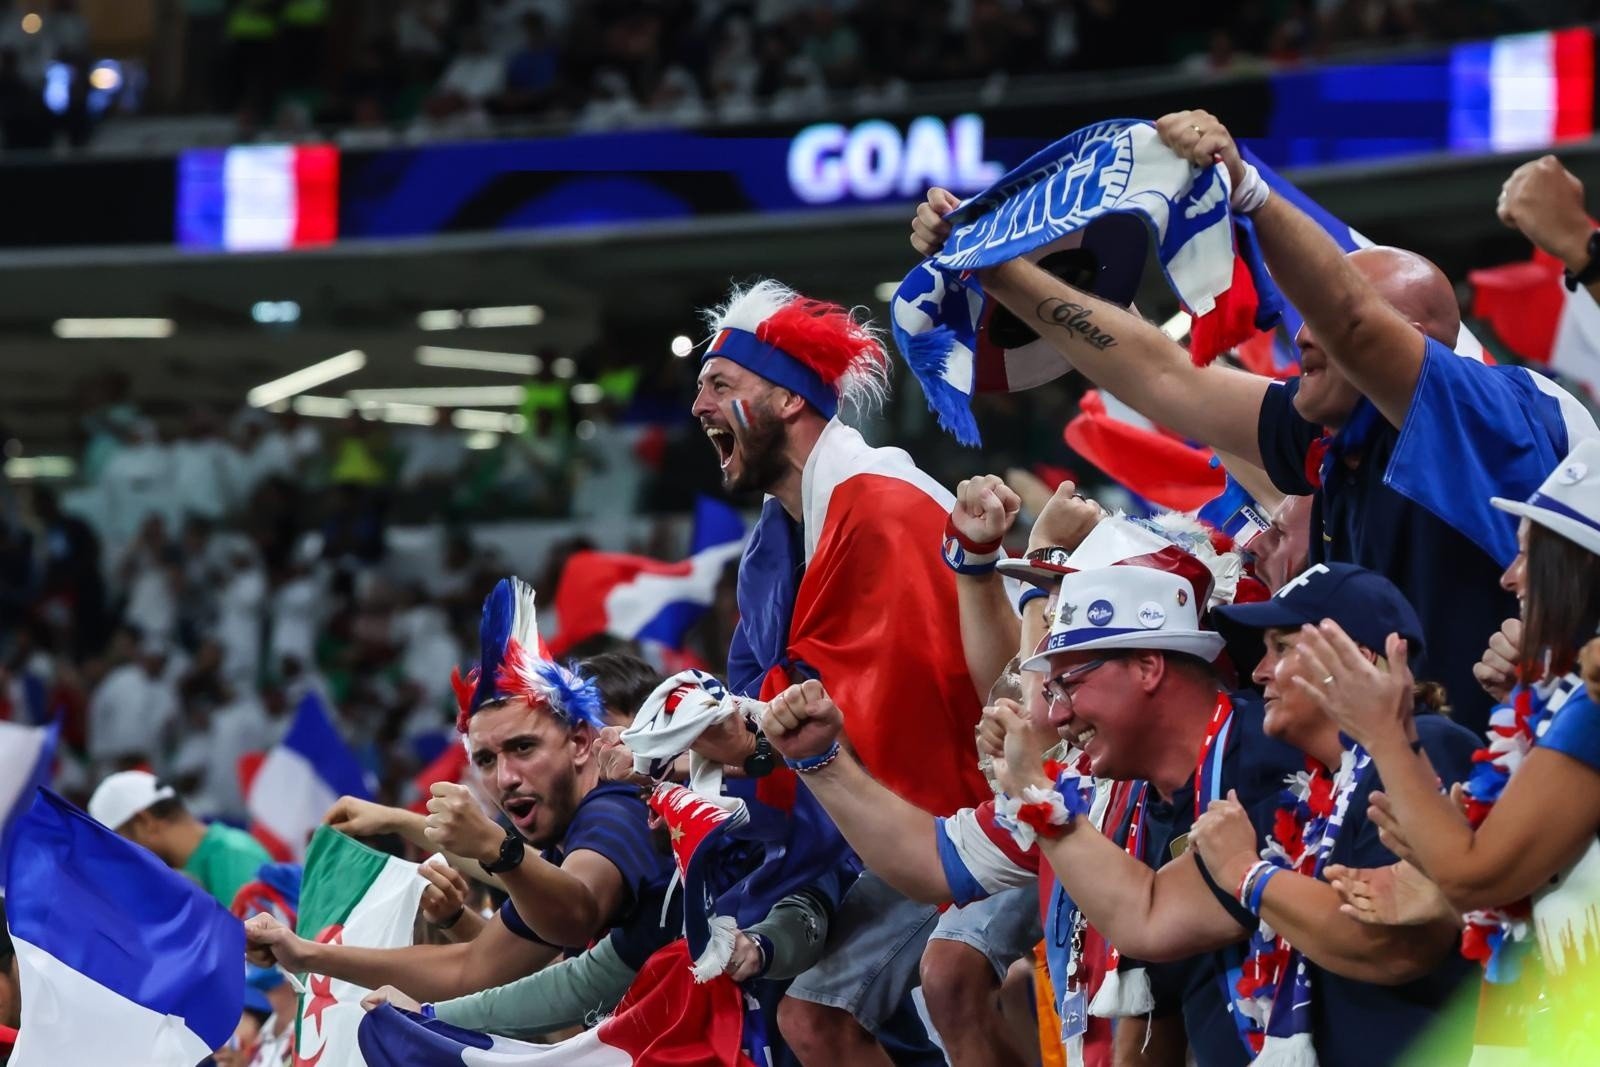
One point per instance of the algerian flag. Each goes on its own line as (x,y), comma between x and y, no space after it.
(351,895)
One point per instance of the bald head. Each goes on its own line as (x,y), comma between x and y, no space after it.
(1413,286)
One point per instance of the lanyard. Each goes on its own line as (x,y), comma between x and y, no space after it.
(1208,768)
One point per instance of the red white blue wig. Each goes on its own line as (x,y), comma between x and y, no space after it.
(514,663)
(817,350)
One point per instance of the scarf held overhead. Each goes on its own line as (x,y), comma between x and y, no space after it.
(1078,194)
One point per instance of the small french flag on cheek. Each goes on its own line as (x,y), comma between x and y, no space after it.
(741,413)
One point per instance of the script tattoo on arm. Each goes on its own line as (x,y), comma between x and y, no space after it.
(1076,320)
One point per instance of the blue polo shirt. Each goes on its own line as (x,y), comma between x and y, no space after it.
(1575,729)
(1255,766)
(613,820)
(1359,1024)
(1413,503)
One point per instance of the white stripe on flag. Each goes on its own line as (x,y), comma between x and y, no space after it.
(76,1022)
(1522,89)
(288,798)
(585,1050)
(20,747)
(632,604)
(1576,352)
(259,199)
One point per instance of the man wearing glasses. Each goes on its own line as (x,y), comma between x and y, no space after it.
(1130,684)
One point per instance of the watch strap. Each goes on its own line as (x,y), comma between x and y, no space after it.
(1591,272)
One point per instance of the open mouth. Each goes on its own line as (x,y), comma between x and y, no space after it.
(1079,737)
(722,440)
(520,809)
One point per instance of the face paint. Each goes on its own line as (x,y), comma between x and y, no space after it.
(741,413)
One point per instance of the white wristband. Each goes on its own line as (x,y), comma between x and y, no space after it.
(1250,193)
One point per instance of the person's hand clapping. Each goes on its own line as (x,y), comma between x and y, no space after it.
(1396,895)
(1545,201)
(456,823)
(802,722)
(929,230)
(1370,701)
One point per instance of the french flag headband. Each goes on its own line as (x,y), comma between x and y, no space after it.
(817,350)
(1080,209)
(514,663)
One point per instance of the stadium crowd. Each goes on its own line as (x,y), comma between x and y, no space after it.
(1110,789)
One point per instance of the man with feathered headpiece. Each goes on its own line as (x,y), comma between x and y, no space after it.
(844,579)
(529,725)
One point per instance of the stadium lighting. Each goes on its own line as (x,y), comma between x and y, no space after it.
(32,23)
(682,346)
(305,378)
(322,407)
(105,78)
(488,421)
(563,367)
(268,312)
(885,291)
(508,315)
(439,320)
(483,396)
(474,359)
(587,393)
(113,329)
(482,440)
(28,468)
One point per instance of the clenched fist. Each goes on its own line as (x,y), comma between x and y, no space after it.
(362,818)
(802,721)
(928,228)
(1065,520)
(985,508)
(457,824)
(267,941)
(1545,201)
(1496,671)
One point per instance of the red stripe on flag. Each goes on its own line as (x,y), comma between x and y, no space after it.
(1574,68)
(1522,303)
(316,184)
(275,845)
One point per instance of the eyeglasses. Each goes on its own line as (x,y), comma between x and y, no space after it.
(1058,689)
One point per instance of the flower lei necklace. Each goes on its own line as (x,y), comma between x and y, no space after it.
(1515,727)
(1273,989)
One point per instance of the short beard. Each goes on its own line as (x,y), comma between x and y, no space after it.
(762,444)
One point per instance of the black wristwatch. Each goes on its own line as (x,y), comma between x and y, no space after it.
(760,763)
(511,850)
(1590,273)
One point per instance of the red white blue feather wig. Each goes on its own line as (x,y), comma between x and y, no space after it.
(514,663)
(817,350)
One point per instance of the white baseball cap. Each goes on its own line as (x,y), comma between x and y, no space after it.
(125,794)
(1568,503)
(1129,606)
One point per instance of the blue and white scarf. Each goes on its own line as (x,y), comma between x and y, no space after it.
(1096,189)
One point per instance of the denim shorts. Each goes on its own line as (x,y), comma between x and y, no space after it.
(1004,927)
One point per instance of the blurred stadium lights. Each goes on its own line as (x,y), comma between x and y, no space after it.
(269,312)
(29,468)
(563,367)
(32,23)
(584,430)
(508,315)
(400,413)
(487,396)
(885,291)
(682,346)
(587,393)
(488,421)
(482,440)
(113,329)
(474,359)
(306,378)
(322,407)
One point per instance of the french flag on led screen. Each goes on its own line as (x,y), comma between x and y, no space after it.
(1526,91)
(258,198)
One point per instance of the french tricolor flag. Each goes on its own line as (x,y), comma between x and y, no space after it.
(298,781)
(1534,314)
(1525,91)
(258,198)
(647,600)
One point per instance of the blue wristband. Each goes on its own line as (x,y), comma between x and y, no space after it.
(1029,595)
(811,763)
(1260,888)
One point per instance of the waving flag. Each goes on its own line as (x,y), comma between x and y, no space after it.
(664,1020)
(1530,309)
(25,755)
(299,780)
(641,599)
(349,895)
(122,960)
(1154,464)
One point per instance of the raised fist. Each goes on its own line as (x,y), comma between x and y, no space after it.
(802,721)
(1065,520)
(456,823)
(928,228)
(1198,137)
(1545,201)
(985,508)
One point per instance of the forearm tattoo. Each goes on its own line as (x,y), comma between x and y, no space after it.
(1076,320)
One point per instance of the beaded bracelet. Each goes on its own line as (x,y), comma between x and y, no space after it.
(811,764)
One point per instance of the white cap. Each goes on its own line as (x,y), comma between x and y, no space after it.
(1112,540)
(1568,503)
(125,794)
(1127,606)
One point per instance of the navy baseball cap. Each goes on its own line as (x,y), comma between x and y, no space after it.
(1365,604)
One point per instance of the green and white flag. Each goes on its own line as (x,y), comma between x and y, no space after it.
(350,895)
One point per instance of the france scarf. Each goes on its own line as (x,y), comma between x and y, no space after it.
(1083,205)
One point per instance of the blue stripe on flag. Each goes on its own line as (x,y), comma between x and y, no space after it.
(390,1037)
(114,913)
(313,737)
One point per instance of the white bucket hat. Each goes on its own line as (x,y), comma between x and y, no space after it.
(1128,606)
(1568,503)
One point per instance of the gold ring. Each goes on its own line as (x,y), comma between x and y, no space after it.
(1196,129)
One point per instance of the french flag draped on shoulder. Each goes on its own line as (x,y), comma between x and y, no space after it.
(122,961)
(299,780)
(664,1020)
(648,600)
(25,756)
